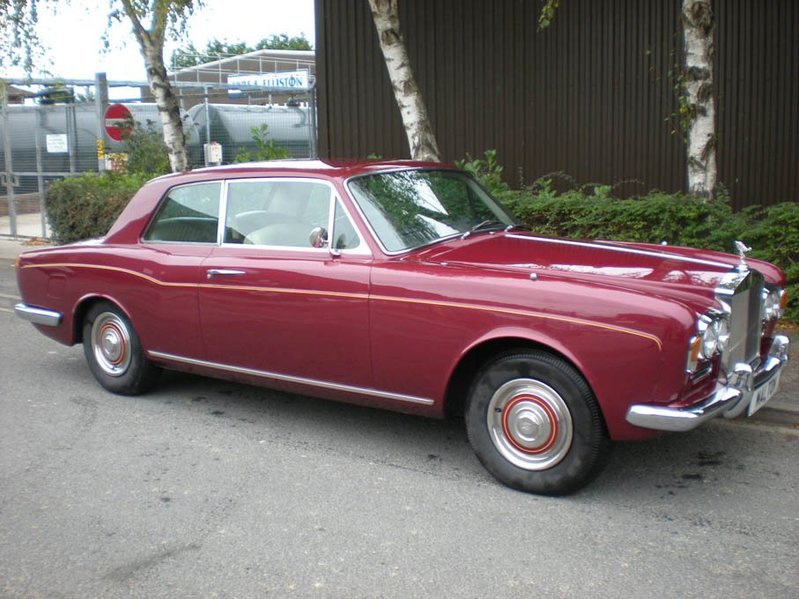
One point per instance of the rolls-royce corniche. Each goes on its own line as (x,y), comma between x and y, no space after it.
(406,286)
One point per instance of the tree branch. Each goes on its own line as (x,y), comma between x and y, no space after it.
(142,35)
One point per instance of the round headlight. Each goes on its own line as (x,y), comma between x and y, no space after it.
(722,326)
(714,337)
(772,305)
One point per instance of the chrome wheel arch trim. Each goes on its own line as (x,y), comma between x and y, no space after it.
(294,379)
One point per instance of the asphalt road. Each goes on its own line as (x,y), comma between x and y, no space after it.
(210,489)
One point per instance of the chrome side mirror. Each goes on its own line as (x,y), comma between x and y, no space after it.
(318,237)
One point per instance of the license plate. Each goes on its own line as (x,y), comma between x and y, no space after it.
(761,395)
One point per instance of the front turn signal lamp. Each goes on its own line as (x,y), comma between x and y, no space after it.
(694,347)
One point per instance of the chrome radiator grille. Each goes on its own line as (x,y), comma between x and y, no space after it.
(742,292)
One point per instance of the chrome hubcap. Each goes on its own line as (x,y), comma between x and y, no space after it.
(111,344)
(530,424)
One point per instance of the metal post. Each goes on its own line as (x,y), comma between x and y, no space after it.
(37,140)
(313,145)
(9,177)
(100,104)
(207,116)
(72,136)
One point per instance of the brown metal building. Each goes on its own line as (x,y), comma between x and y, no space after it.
(592,96)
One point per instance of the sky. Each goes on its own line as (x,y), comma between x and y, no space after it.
(72,33)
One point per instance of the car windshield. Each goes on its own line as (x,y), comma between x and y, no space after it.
(411,208)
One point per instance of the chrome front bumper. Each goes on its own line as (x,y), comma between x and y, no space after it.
(48,318)
(730,400)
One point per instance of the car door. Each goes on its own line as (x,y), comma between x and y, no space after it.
(181,234)
(277,301)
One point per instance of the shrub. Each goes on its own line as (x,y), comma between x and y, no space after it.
(773,233)
(486,170)
(87,205)
(265,148)
(146,150)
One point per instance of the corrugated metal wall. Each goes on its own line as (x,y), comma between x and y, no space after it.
(591,96)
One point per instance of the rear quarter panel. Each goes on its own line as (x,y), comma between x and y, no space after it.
(156,287)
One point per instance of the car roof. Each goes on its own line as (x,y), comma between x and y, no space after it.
(326,168)
(130,223)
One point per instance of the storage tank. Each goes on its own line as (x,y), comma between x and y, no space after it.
(67,134)
(232,126)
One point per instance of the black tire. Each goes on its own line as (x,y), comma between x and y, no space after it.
(535,424)
(114,353)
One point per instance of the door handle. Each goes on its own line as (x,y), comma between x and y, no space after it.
(223,272)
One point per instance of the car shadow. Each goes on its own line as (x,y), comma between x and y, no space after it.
(678,469)
(673,468)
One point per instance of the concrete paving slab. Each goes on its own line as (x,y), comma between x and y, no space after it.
(28,225)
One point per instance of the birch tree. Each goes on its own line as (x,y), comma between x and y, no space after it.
(151,20)
(419,131)
(698,96)
(162,15)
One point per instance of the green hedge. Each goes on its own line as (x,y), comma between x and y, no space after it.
(678,219)
(86,206)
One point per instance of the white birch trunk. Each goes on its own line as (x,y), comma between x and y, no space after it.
(151,44)
(698,22)
(421,140)
(168,107)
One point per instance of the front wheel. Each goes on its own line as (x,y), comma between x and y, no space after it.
(114,353)
(535,424)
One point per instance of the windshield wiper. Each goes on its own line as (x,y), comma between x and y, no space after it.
(486,225)
(516,227)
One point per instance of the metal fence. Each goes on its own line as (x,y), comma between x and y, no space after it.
(43,142)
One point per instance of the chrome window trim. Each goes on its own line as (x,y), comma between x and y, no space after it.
(295,379)
(142,240)
(167,242)
(361,250)
(220,230)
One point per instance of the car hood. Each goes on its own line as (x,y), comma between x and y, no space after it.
(648,268)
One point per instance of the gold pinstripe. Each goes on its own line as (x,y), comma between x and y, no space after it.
(382,298)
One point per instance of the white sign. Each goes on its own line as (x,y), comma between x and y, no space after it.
(213,153)
(285,80)
(57,143)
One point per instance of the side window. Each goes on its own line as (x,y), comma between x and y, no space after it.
(276,213)
(344,233)
(188,214)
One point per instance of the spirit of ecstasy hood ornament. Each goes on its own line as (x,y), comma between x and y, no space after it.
(742,250)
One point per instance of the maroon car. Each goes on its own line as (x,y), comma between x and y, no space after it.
(405,286)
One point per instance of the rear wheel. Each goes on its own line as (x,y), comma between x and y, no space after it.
(114,353)
(535,424)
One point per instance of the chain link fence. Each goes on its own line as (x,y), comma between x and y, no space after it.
(56,134)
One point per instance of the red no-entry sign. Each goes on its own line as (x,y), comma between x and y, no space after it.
(118,122)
